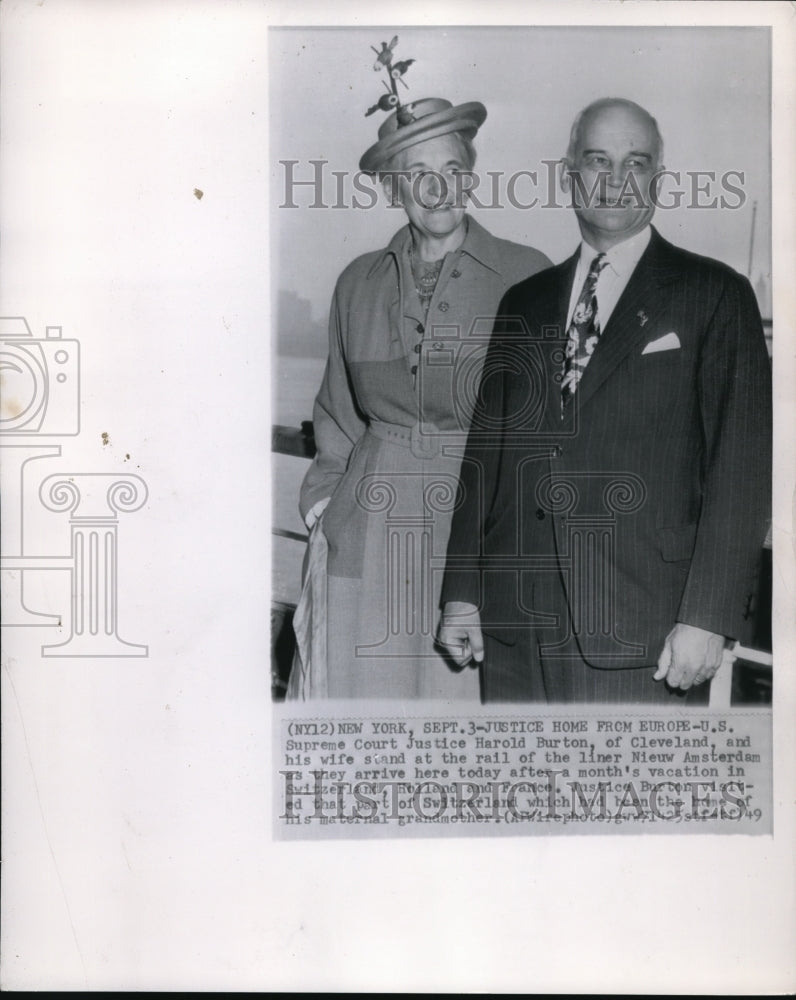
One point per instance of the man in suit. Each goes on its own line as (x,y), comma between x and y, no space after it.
(616,486)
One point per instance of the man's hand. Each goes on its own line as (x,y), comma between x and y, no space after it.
(690,656)
(460,632)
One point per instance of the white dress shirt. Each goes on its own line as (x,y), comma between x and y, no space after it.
(613,278)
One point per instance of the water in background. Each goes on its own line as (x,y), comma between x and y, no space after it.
(296,382)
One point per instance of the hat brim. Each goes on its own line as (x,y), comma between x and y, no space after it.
(465,118)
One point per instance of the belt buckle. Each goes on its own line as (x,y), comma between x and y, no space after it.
(424,441)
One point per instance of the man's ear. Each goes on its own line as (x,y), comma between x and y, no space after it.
(657,180)
(564,179)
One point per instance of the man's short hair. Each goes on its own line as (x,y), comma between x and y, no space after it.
(607,102)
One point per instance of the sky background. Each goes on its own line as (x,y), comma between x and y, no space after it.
(709,89)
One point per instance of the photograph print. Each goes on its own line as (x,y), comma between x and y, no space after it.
(522,315)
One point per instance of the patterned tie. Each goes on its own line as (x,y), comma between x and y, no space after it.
(583,333)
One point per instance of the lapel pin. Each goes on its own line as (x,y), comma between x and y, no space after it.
(642,316)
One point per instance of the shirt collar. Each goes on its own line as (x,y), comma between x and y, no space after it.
(621,258)
(478,244)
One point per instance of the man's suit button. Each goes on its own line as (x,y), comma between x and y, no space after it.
(539,514)
(418,348)
(444,307)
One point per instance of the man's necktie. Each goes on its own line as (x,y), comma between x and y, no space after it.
(583,333)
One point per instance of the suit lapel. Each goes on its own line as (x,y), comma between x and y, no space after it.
(625,331)
(554,307)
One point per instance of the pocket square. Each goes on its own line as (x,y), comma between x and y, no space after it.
(668,342)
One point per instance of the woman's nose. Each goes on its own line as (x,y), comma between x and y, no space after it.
(433,188)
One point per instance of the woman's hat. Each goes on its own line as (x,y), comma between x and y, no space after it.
(419,121)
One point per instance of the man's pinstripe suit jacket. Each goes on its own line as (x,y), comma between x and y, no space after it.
(646,503)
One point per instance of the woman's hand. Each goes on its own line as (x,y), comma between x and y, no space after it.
(315,512)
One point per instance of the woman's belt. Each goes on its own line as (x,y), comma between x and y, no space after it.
(423,439)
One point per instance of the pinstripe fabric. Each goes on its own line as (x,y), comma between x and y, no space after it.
(576,681)
(512,672)
(648,504)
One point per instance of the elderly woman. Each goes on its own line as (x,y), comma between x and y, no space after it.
(407,338)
